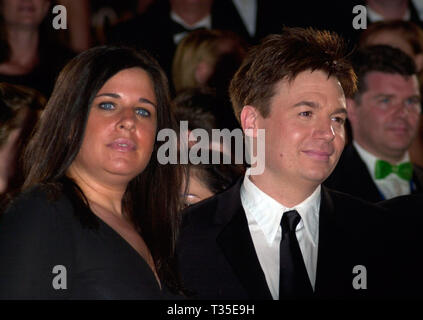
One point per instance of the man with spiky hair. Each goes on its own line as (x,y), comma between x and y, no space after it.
(281,234)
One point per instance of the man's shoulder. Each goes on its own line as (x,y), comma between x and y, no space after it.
(350,204)
(215,209)
(201,211)
(418,175)
(412,203)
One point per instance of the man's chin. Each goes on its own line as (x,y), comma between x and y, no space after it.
(317,176)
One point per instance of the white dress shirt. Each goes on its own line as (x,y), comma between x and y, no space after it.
(264,215)
(247,9)
(203,23)
(392,186)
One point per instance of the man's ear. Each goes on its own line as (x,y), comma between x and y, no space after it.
(418,58)
(249,120)
(351,110)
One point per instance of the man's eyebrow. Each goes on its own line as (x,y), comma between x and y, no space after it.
(340,110)
(310,104)
(116,96)
(315,105)
(383,95)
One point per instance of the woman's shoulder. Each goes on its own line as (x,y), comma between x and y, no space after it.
(45,195)
(38,204)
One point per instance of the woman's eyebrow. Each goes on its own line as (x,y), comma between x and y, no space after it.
(116,96)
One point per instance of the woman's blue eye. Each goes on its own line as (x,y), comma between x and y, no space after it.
(142,112)
(106,106)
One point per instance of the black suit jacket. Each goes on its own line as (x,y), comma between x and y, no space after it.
(153,30)
(407,212)
(217,258)
(352,176)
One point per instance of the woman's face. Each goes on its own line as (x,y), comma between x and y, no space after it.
(121,128)
(29,13)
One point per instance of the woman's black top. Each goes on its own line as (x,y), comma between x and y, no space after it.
(46,252)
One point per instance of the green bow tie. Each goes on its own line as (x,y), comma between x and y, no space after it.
(403,170)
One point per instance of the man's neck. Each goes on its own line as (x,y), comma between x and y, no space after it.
(286,192)
(392,159)
(389,10)
(191,14)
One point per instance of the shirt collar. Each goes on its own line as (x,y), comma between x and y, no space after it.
(370,159)
(203,23)
(268,212)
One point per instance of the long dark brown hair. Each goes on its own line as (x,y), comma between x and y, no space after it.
(59,135)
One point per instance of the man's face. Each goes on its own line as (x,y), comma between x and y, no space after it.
(385,118)
(305,132)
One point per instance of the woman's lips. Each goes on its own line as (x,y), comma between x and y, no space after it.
(26,9)
(122,145)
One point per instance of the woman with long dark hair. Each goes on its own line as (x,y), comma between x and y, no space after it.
(98,215)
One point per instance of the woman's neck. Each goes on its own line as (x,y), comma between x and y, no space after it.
(23,47)
(107,197)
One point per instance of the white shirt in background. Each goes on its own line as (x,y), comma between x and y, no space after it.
(203,23)
(247,9)
(392,186)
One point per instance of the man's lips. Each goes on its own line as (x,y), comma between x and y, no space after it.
(122,145)
(318,155)
(399,129)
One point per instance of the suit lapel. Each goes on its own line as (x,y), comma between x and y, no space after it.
(418,179)
(324,255)
(237,245)
(333,276)
(357,168)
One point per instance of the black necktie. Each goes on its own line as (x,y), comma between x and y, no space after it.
(293,278)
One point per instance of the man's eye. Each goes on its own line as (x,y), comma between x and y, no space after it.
(385,100)
(106,106)
(339,120)
(305,113)
(413,103)
(142,112)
